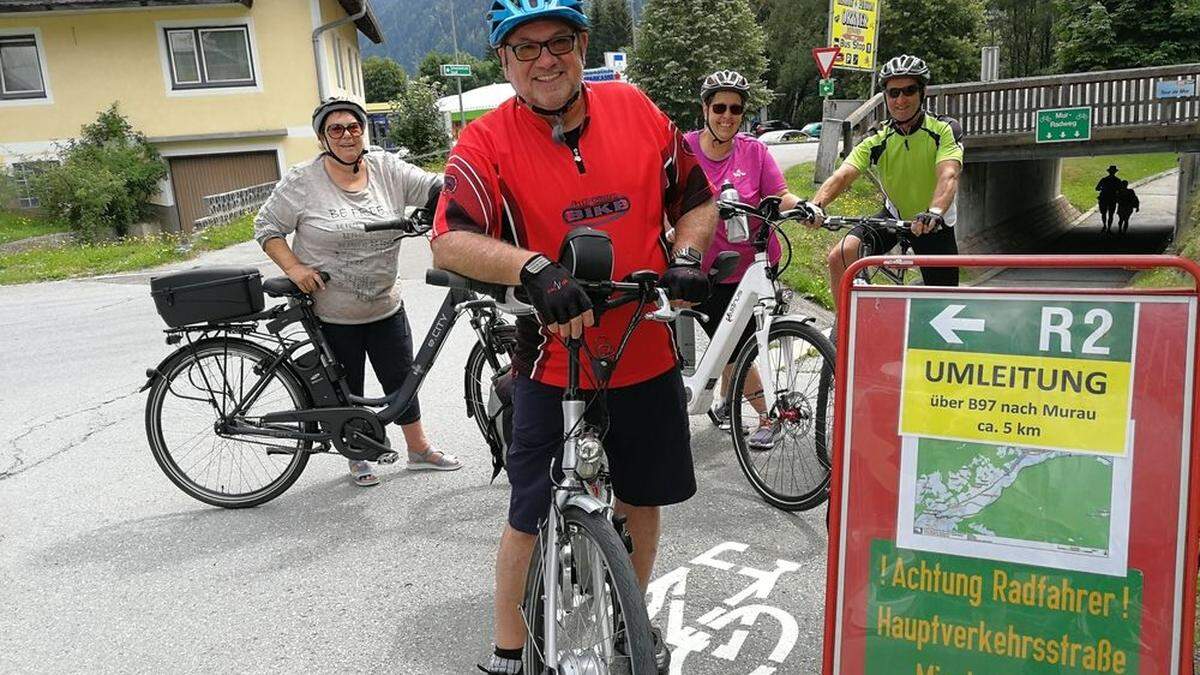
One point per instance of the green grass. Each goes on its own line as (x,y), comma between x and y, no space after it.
(16,225)
(74,259)
(1080,174)
(808,272)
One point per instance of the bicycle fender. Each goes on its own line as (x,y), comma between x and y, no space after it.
(763,358)
(586,503)
(155,374)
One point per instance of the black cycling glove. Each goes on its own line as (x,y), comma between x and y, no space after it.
(934,219)
(686,281)
(553,292)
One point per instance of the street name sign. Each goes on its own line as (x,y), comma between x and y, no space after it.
(824,58)
(1175,89)
(456,70)
(1064,125)
(854,27)
(1012,483)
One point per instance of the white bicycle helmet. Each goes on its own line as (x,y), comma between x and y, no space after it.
(904,65)
(724,80)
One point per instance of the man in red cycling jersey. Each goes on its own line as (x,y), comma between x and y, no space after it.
(558,156)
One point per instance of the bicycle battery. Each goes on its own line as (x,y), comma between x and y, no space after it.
(207,294)
(316,378)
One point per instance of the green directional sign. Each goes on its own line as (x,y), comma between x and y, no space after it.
(1064,125)
(456,70)
(825,87)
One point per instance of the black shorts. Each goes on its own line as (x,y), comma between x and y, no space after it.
(941,242)
(388,342)
(647,443)
(714,307)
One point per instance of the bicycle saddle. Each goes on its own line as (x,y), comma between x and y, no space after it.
(278,287)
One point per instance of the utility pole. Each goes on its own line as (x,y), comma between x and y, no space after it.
(462,116)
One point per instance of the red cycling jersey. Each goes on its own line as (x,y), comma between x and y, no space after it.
(508,178)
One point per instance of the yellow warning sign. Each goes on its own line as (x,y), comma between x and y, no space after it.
(1029,401)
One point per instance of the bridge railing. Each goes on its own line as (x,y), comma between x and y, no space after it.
(1118,98)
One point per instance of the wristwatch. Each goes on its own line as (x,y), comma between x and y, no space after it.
(688,256)
(937,211)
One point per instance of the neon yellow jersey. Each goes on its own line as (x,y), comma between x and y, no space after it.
(905,163)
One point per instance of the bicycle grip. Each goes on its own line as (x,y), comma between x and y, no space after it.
(403,224)
(448,279)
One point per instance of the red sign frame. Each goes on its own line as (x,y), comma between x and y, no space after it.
(1181,609)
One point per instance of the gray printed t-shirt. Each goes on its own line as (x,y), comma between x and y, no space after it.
(328,234)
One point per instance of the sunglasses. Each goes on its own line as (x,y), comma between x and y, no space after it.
(557,46)
(339,130)
(911,89)
(734,109)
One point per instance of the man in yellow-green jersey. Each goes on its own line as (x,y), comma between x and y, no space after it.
(916,157)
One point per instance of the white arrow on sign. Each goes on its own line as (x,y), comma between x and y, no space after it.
(947,321)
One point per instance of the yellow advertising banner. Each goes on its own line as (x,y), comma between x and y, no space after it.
(1029,401)
(854,26)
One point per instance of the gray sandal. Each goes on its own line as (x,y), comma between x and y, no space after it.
(362,474)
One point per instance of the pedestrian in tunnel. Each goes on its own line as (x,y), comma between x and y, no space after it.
(1107,199)
(1127,203)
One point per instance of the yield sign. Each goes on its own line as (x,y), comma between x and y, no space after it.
(825,56)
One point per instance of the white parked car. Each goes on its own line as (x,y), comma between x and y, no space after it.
(784,136)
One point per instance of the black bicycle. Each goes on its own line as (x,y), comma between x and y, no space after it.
(889,274)
(233,414)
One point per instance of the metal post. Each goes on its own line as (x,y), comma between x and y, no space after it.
(462,116)
(632,27)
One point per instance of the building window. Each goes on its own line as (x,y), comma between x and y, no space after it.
(203,58)
(22,172)
(337,57)
(20,68)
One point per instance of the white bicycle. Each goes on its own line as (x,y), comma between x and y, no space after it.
(788,465)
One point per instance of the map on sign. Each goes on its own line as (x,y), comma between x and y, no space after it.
(1062,509)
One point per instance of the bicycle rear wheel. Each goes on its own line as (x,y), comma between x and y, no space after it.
(185,409)
(602,626)
(784,451)
(479,372)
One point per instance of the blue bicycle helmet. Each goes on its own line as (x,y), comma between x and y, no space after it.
(505,15)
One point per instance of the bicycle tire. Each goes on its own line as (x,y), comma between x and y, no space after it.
(477,383)
(797,416)
(178,375)
(628,611)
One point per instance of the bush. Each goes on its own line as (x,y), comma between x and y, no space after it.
(105,180)
(415,121)
(8,191)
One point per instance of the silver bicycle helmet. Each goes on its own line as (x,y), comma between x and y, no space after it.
(334,104)
(904,65)
(724,80)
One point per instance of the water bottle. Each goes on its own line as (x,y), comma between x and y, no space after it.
(737,229)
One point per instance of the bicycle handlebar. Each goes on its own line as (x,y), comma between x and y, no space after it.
(891,224)
(420,222)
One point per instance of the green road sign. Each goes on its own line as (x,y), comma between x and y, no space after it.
(456,70)
(825,87)
(1063,125)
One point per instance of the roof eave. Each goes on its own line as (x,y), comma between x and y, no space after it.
(77,5)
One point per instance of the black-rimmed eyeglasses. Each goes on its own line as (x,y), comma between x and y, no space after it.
(530,51)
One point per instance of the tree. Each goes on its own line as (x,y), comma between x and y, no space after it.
(415,122)
(1024,31)
(483,71)
(1105,34)
(383,78)
(610,31)
(945,34)
(682,41)
(105,180)
(790,25)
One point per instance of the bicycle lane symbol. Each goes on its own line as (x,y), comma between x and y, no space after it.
(669,591)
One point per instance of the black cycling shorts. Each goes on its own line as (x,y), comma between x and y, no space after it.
(647,442)
(941,242)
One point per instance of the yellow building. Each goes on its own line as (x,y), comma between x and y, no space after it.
(224,89)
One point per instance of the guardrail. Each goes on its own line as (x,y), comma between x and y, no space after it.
(1118,98)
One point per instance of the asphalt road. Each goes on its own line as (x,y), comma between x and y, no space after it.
(106,567)
(788,155)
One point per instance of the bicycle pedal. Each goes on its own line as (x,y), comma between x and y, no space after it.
(389,457)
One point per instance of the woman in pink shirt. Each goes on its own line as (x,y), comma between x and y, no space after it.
(744,161)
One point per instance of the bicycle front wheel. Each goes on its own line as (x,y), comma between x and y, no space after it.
(784,450)
(188,412)
(600,620)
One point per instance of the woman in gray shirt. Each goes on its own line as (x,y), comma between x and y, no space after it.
(323,204)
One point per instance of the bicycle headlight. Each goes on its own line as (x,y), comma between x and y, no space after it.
(588,455)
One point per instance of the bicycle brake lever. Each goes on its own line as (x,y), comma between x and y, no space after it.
(664,312)
(699,316)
